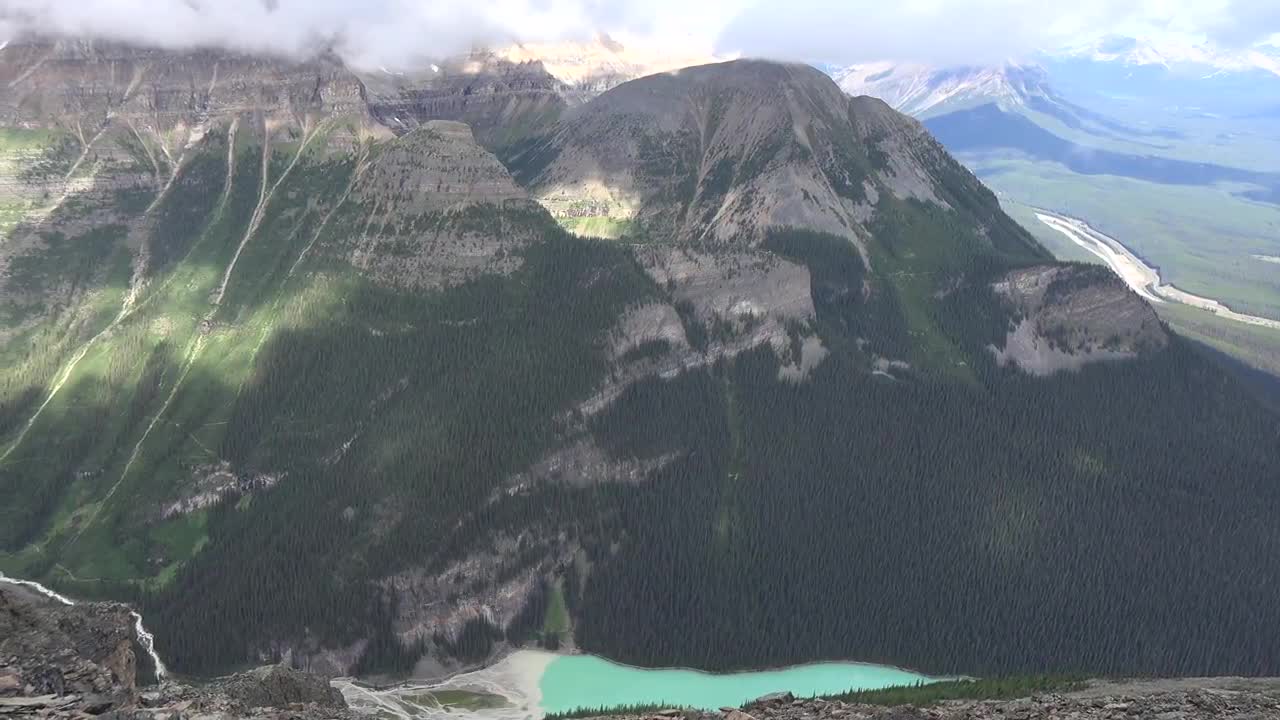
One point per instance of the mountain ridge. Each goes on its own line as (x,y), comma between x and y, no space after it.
(368,404)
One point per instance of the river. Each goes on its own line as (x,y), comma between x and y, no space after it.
(1137,274)
(527,684)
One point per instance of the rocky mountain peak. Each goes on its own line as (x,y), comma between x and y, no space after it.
(721,153)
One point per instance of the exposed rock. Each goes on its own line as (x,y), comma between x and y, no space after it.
(277,686)
(583,462)
(77,660)
(719,154)
(723,303)
(646,324)
(491,584)
(1071,316)
(439,209)
(503,100)
(812,353)
(53,649)
(507,94)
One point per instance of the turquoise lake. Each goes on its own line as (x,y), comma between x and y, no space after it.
(577,681)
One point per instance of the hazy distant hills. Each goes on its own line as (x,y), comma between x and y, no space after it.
(1167,147)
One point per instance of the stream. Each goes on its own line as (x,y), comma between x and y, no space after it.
(145,638)
(527,684)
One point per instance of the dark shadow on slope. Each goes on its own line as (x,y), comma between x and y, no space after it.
(1264,385)
(395,417)
(1077,117)
(1076,523)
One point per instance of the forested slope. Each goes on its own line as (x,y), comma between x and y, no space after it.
(303,387)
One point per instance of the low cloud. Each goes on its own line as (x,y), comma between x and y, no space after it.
(372,33)
(955,32)
(366,32)
(1243,23)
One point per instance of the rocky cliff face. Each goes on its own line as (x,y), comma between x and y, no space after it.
(60,661)
(1072,316)
(118,115)
(510,94)
(49,649)
(721,153)
(502,100)
(439,209)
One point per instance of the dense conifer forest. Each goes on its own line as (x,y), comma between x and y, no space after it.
(271,434)
(1004,524)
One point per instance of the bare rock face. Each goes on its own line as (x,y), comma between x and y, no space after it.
(69,661)
(85,84)
(439,209)
(114,116)
(508,94)
(503,100)
(435,168)
(718,154)
(95,133)
(47,648)
(750,295)
(721,304)
(277,686)
(1071,316)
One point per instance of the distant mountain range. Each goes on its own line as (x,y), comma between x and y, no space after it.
(1171,147)
(1180,78)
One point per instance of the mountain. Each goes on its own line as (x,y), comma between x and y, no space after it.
(1173,54)
(927,92)
(1166,148)
(78,661)
(1172,77)
(720,154)
(509,93)
(920,90)
(305,382)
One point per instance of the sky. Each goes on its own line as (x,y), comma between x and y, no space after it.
(373,33)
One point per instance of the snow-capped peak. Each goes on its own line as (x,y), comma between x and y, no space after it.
(1171,52)
(917,89)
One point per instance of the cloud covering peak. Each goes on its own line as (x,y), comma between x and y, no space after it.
(372,33)
(368,33)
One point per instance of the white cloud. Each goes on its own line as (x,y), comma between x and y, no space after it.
(368,32)
(395,32)
(980,31)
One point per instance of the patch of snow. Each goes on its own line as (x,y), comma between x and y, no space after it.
(915,88)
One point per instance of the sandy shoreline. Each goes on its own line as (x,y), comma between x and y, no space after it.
(516,678)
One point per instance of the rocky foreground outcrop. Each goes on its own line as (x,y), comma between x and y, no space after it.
(77,661)
(1184,699)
